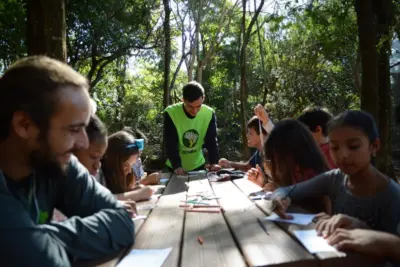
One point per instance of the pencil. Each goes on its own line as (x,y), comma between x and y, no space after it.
(203,210)
(260,222)
(198,206)
(288,193)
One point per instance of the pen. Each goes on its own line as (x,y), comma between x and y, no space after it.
(284,197)
(260,222)
(288,193)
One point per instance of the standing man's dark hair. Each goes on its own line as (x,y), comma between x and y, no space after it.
(192,91)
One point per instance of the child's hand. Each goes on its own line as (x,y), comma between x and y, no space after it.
(130,206)
(328,226)
(146,192)
(364,241)
(152,179)
(269,187)
(180,171)
(261,113)
(224,163)
(280,206)
(255,176)
(321,216)
(215,167)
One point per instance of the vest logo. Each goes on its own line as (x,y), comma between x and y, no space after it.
(190,138)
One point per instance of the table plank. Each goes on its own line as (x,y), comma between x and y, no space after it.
(158,189)
(164,226)
(258,247)
(219,248)
(327,259)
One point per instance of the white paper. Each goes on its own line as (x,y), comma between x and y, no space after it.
(298,218)
(313,242)
(145,207)
(139,217)
(145,257)
(201,172)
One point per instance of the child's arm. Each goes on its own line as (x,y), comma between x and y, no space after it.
(315,187)
(224,163)
(143,193)
(367,241)
(263,116)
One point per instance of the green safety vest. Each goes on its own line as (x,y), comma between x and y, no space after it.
(191,134)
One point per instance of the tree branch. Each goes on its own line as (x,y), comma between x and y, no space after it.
(394,65)
(253,20)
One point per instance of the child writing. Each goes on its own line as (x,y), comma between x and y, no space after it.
(122,152)
(253,140)
(357,188)
(292,155)
(141,176)
(316,119)
(365,241)
(92,155)
(259,173)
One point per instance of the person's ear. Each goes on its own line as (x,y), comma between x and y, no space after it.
(24,126)
(375,146)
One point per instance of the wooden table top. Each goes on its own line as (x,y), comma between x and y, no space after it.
(232,237)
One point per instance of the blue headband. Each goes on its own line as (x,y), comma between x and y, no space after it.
(139,144)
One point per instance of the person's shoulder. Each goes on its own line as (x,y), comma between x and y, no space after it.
(173,106)
(394,189)
(336,175)
(205,107)
(75,169)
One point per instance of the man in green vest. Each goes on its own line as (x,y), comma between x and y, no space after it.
(190,126)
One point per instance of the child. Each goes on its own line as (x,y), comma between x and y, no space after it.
(91,157)
(370,242)
(141,176)
(258,173)
(292,154)
(122,152)
(253,140)
(316,119)
(357,188)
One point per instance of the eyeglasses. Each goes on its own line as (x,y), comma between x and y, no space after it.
(139,144)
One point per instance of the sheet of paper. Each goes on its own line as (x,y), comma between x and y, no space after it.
(145,207)
(145,257)
(298,218)
(201,172)
(312,241)
(163,180)
(139,217)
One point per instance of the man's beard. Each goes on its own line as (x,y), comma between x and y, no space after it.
(45,163)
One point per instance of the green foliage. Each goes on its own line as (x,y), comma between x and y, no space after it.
(12,29)
(307,56)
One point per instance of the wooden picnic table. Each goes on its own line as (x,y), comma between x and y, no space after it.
(232,237)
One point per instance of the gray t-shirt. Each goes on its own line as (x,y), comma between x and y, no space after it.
(381,212)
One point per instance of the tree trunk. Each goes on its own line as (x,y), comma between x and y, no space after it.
(385,97)
(244,92)
(366,23)
(46,28)
(243,89)
(167,51)
(167,62)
